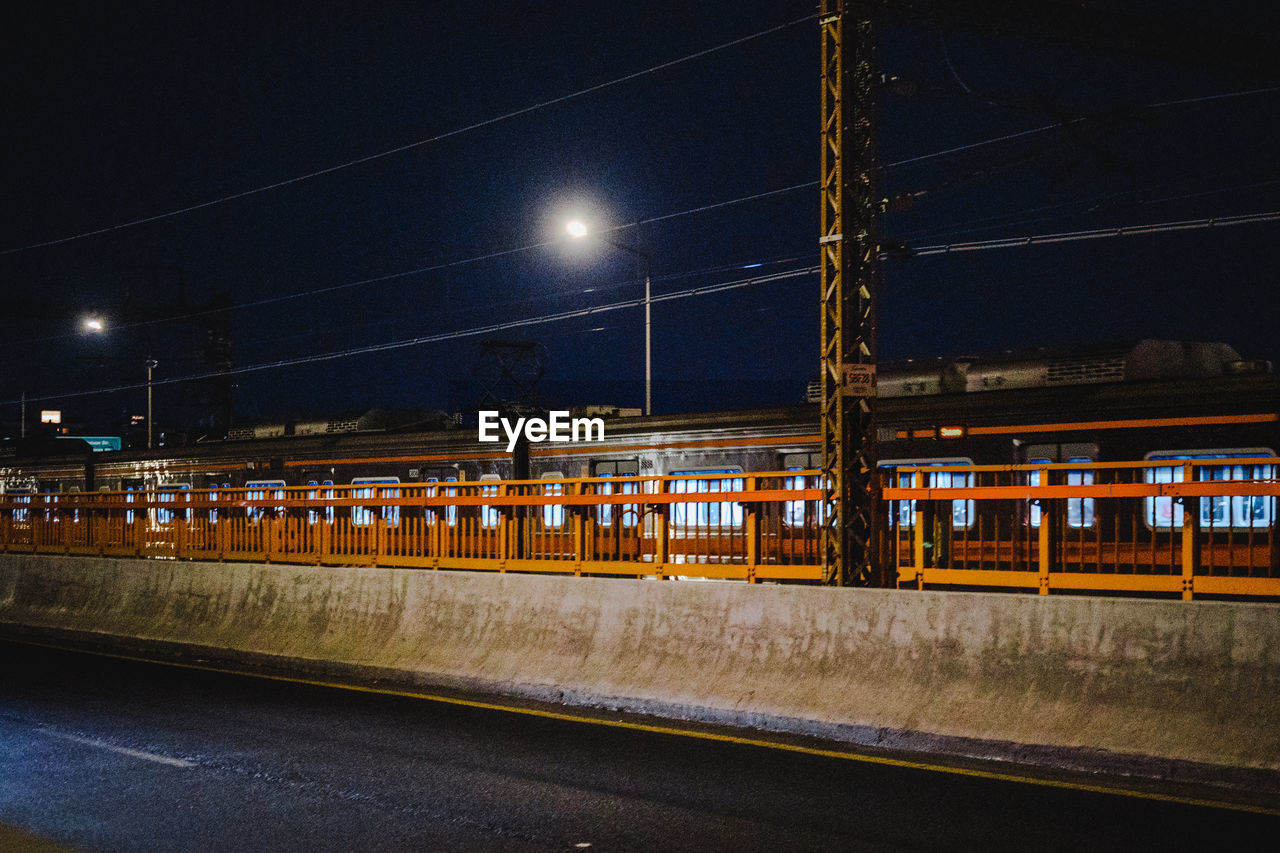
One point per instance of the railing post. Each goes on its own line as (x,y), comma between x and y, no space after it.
(752,531)
(141,518)
(917,530)
(1190,537)
(579,532)
(1045,538)
(504,529)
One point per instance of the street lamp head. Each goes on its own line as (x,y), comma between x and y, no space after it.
(93,324)
(576,228)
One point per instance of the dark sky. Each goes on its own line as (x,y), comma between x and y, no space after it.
(118,113)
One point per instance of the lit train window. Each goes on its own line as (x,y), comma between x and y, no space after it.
(168,494)
(614,468)
(450,512)
(1221,512)
(1079,510)
(375,487)
(261,490)
(793,511)
(553,514)
(21,499)
(962,511)
(213,496)
(313,515)
(489,515)
(725,514)
(48,500)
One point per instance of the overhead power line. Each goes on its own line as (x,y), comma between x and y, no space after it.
(399,149)
(388,346)
(333,288)
(1009,137)
(1099,233)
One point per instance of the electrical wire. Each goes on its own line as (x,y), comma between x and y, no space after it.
(1100,233)
(388,346)
(317,291)
(1045,128)
(433,139)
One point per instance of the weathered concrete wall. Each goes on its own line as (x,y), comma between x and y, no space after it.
(1196,681)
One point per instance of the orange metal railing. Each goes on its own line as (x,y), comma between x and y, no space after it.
(1188,526)
(739,526)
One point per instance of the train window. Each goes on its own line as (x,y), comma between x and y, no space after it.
(724,514)
(1222,512)
(1079,510)
(489,515)
(49,490)
(962,511)
(793,511)
(168,494)
(801,461)
(129,497)
(553,514)
(616,468)
(313,515)
(21,499)
(375,487)
(630,512)
(213,496)
(450,512)
(258,490)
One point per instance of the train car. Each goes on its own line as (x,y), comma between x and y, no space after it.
(1147,399)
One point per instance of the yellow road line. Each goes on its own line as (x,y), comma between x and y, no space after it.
(693,733)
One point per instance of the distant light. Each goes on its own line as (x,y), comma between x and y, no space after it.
(94,324)
(752,266)
(576,228)
(50,416)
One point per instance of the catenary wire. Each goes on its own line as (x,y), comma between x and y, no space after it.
(704,290)
(1002,243)
(401,148)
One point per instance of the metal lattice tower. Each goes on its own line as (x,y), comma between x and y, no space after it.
(849,275)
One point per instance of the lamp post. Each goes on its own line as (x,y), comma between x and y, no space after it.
(151,364)
(93,324)
(578,230)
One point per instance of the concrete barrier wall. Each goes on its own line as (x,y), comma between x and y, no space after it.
(1195,681)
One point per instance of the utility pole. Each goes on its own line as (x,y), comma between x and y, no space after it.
(152,364)
(849,246)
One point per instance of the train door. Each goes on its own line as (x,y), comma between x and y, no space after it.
(630,514)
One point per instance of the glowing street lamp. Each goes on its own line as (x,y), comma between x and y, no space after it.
(578,229)
(96,325)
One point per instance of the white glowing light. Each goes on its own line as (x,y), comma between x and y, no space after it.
(577,228)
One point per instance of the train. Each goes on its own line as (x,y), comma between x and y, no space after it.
(1144,399)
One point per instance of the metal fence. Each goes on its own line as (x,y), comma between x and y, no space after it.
(1183,526)
(736,526)
(1186,526)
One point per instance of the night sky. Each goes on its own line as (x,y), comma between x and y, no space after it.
(114,114)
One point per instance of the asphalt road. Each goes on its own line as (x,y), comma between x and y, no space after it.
(104,754)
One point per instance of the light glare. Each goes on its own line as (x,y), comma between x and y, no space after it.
(94,324)
(577,228)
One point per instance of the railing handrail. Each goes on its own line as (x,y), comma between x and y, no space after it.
(567,492)
(1200,462)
